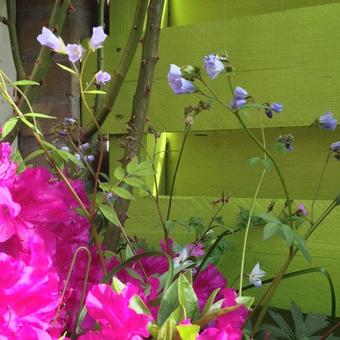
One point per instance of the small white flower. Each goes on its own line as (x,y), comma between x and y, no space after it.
(256,275)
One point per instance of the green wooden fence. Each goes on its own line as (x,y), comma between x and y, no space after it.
(283,51)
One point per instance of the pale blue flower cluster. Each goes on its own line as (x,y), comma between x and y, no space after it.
(327,121)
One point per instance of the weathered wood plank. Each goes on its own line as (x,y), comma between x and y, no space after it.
(219,160)
(311,291)
(288,57)
(198,11)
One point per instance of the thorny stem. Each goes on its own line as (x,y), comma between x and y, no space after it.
(122,68)
(319,186)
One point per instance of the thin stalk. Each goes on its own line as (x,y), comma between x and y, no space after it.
(13,37)
(100,51)
(247,231)
(251,213)
(172,187)
(319,186)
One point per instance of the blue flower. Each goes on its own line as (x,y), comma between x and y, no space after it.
(327,122)
(74,52)
(239,103)
(49,39)
(102,77)
(213,65)
(335,147)
(240,93)
(256,275)
(98,37)
(275,107)
(177,83)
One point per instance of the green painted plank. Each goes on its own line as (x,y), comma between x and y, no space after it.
(198,11)
(219,160)
(311,292)
(298,69)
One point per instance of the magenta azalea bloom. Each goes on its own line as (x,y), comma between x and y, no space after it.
(49,39)
(28,298)
(236,318)
(8,168)
(98,37)
(227,333)
(177,83)
(206,281)
(112,311)
(102,77)
(74,52)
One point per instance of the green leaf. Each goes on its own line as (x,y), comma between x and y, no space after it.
(134,181)
(145,169)
(25,82)
(254,160)
(95,92)
(270,229)
(282,324)
(299,324)
(18,159)
(131,167)
(128,252)
(8,126)
(119,173)
(267,164)
(188,332)
(117,285)
(288,234)
(67,69)
(210,301)
(301,245)
(248,301)
(167,330)
(137,304)
(121,192)
(109,213)
(187,297)
(34,154)
(314,323)
(39,115)
(178,315)
(105,186)
(169,303)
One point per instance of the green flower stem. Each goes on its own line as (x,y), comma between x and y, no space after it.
(42,63)
(100,52)
(11,23)
(122,68)
(308,271)
(319,186)
(247,231)
(186,133)
(251,213)
(256,141)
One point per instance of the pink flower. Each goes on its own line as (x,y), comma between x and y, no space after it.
(206,281)
(7,167)
(227,333)
(28,296)
(196,249)
(117,320)
(236,318)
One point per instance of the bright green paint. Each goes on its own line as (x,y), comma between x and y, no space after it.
(288,57)
(186,12)
(311,292)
